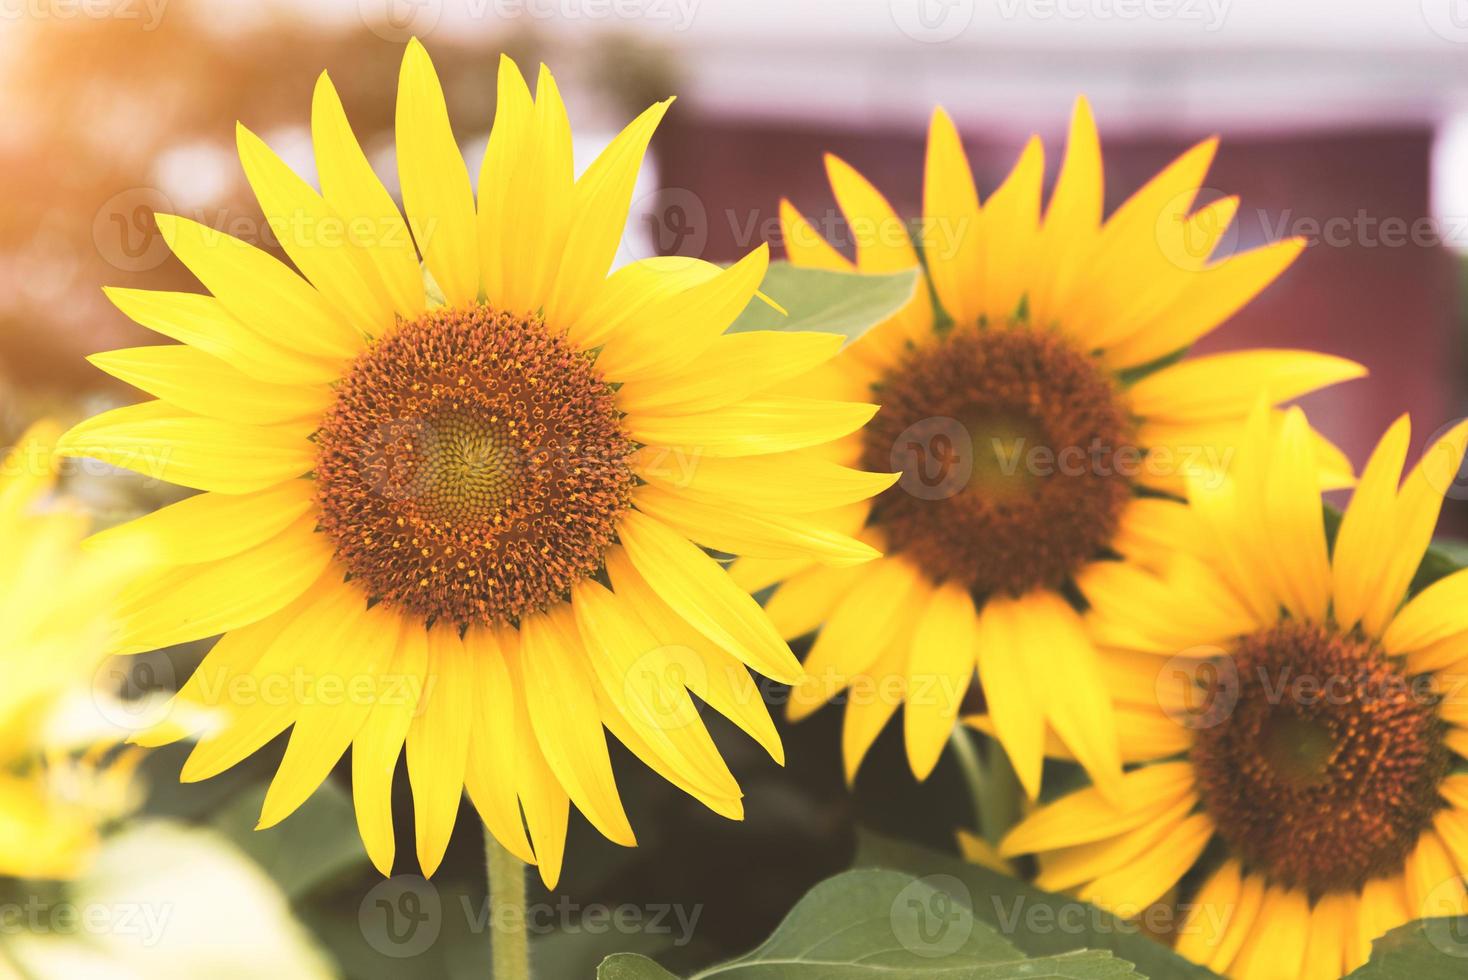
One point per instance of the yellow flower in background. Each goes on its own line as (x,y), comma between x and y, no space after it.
(1304,725)
(58,786)
(1029,447)
(468,527)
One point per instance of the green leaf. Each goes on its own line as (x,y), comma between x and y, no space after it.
(877,923)
(1430,949)
(318,843)
(1038,923)
(826,301)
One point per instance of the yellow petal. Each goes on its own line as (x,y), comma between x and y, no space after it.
(873,697)
(1012,690)
(864,624)
(789,483)
(194,601)
(1276,946)
(435,182)
(719,680)
(1296,527)
(1434,614)
(805,246)
(1213,911)
(1071,867)
(507,140)
(598,216)
(953,233)
(1086,815)
(567,724)
(882,240)
(748,531)
(940,668)
(753,427)
(316,238)
(204,323)
(1367,533)
(205,385)
(378,744)
(695,587)
(1080,708)
(538,205)
(255,287)
(1072,220)
(732,368)
(341,685)
(438,741)
(645,687)
(210,526)
(1130,889)
(490,774)
(165,443)
(1325,946)
(674,329)
(1212,296)
(1222,386)
(543,799)
(353,191)
(807,599)
(1011,233)
(1418,506)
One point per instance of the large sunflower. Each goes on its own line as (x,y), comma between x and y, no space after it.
(1305,727)
(56,609)
(467,526)
(1033,436)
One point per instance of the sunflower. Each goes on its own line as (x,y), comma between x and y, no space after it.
(55,617)
(1039,426)
(1303,727)
(471,527)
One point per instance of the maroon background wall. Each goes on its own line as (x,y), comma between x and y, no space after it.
(1357,292)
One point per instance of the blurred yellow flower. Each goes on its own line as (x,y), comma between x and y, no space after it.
(1302,722)
(1029,449)
(469,525)
(58,786)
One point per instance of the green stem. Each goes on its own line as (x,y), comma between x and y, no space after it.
(510,943)
(974,776)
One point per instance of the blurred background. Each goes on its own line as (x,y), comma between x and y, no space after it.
(1345,121)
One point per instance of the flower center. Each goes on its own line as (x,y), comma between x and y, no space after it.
(1327,768)
(472,468)
(1015,451)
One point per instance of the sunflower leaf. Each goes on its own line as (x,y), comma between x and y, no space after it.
(1429,949)
(878,924)
(829,302)
(1038,923)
